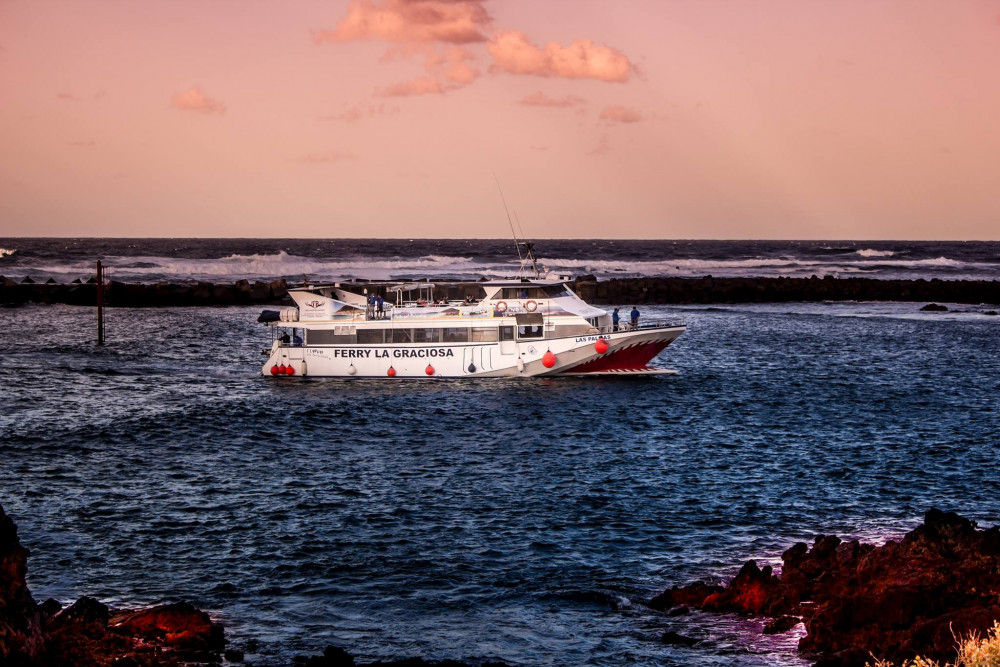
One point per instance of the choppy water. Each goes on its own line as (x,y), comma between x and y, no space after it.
(226,260)
(521,520)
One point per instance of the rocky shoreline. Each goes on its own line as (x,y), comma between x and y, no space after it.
(621,291)
(861,602)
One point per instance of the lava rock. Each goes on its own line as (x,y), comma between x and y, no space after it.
(21,638)
(780,625)
(179,625)
(895,601)
(935,308)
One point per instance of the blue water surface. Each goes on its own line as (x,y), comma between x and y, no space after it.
(522,520)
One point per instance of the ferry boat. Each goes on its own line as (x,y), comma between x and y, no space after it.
(500,328)
(519,327)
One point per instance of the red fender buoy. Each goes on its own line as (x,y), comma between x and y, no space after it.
(391,372)
(274,369)
(601,346)
(289,370)
(548,359)
(429,370)
(281,369)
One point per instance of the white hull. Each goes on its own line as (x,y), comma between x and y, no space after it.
(627,353)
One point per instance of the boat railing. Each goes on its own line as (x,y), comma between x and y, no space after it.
(645,323)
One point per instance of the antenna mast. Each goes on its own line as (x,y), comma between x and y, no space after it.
(528,246)
(517,244)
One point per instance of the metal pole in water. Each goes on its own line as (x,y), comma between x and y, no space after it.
(100,304)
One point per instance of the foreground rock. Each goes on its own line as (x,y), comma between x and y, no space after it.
(903,599)
(89,633)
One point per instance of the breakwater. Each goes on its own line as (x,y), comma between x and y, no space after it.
(628,290)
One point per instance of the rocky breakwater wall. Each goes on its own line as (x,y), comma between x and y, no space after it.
(141,295)
(896,601)
(763,290)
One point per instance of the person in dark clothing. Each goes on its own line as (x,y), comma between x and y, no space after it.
(379,307)
(615,318)
(635,317)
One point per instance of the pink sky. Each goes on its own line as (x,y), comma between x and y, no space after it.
(389,118)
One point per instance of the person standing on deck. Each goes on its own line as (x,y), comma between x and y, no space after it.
(635,317)
(615,319)
(379,307)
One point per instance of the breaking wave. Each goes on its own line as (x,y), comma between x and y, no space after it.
(868,252)
(7,252)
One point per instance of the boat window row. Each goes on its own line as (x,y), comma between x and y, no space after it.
(398,335)
(348,335)
(531,292)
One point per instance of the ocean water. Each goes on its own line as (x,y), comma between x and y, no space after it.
(226,260)
(524,520)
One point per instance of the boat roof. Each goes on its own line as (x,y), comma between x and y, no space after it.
(395,286)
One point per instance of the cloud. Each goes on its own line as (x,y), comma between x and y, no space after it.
(196,100)
(69,97)
(513,53)
(619,114)
(325,157)
(450,21)
(540,99)
(358,111)
(446,71)
(422,85)
(603,146)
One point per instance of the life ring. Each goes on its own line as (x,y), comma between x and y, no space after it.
(530,306)
(502,307)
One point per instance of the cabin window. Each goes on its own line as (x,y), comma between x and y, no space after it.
(426,335)
(329,337)
(455,334)
(401,336)
(535,331)
(521,293)
(371,336)
(557,290)
(484,334)
(506,333)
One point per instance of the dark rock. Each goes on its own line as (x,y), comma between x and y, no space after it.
(896,601)
(179,624)
(21,639)
(674,639)
(693,595)
(935,308)
(233,655)
(989,312)
(85,616)
(753,591)
(780,625)
(50,607)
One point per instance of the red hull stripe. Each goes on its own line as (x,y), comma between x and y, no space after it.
(631,358)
